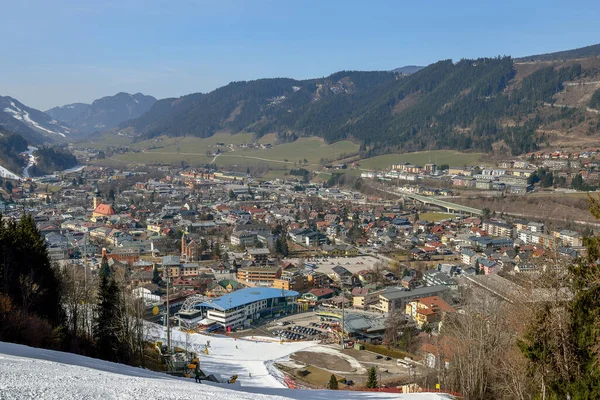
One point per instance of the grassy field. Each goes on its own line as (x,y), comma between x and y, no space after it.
(387,352)
(450,157)
(103,141)
(195,144)
(170,144)
(435,217)
(315,151)
(194,152)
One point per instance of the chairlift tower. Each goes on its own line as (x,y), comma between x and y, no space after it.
(167,313)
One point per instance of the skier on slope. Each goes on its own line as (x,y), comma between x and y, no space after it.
(197,373)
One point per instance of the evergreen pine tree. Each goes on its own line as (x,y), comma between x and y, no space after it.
(278,246)
(217,250)
(106,319)
(284,247)
(35,286)
(372,378)
(155,275)
(333,383)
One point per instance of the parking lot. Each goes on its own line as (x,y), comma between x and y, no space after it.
(326,264)
(297,332)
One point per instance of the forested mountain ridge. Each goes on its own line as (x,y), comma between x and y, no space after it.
(582,52)
(51,159)
(408,69)
(483,104)
(103,114)
(11,146)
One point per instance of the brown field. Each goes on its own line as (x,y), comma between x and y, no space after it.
(323,360)
(559,209)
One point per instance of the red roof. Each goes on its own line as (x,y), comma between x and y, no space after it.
(321,292)
(358,291)
(105,209)
(435,301)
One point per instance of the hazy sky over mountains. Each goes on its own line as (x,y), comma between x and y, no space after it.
(65,51)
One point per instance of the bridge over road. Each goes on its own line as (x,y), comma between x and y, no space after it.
(450,207)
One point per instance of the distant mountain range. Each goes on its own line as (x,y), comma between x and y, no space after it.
(408,69)
(582,52)
(32,124)
(71,120)
(481,104)
(103,114)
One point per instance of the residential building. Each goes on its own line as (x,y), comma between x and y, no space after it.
(468,257)
(437,278)
(258,276)
(243,239)
(260,256)
(315,239)
(393,298)
(428,310)
(318,294)
(495,228)
(291,279)
(363,298)
(571,238)
(317,279)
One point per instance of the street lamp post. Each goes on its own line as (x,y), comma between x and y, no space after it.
(167,319)
(342,327)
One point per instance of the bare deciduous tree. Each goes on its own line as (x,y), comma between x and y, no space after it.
(485,361)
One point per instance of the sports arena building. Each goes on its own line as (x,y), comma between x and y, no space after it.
(240,308)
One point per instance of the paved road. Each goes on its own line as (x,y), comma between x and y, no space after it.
(437,202)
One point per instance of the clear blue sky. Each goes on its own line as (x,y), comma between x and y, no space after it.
(62,51)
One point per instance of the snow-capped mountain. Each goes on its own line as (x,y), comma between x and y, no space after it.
(103,114)
(18,118)
(68,113)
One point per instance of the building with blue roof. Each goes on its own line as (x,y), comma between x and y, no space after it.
(240,308)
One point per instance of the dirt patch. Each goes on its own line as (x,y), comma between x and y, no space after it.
(558,210)
(310,376)
(323,360)
(407,102)
(577,93)
(235,112)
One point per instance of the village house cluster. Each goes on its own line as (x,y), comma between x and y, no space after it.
(509,176)
(236,252)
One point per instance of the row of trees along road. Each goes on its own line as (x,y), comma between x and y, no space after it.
(66,308)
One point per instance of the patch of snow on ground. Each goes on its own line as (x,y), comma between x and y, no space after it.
(23,115)
(29,373)
(5,173)
(30,162)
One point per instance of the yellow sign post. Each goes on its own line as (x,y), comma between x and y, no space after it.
(155,310)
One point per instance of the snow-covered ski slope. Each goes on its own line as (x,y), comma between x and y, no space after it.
(30,373)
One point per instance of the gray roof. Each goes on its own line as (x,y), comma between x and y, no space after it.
(170,260)
(258,251)
(394,293)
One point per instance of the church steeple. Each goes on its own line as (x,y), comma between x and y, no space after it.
(183,252)
(97,197)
